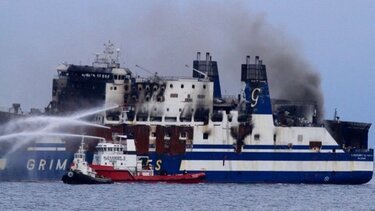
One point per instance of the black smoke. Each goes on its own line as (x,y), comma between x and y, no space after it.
(171,33)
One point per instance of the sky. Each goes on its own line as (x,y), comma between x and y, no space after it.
(328,42)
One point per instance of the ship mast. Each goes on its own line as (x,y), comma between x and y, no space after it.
(109,57)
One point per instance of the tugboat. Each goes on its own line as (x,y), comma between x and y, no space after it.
(119,162)
(81,173)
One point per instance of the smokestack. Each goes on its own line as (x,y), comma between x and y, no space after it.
(198,56)
(207,56)
(210,58)
(256,60)
(247,60)
(16,107)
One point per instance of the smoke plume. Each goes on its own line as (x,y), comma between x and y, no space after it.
(161,36)
(230,31)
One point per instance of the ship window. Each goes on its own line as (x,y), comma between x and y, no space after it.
(183,134)
(300,138)
(201,96)
(170,119)
(167,109)
(153,134)
(179,109)
(174,95)
(126,87)
(115,77)
(193,86)
(171,85)
(315,145)
(111,88)
(182,86)
(256,137)
(205,135)
(115,88)
(204,86)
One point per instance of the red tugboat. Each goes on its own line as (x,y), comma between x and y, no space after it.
(119,162)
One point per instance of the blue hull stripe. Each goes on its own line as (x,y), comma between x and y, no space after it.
(357,177)
(287,156)
(226,146)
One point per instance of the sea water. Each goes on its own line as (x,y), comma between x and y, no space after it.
(162,196)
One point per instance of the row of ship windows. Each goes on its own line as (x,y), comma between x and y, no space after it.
(161,98)
(117,149)
(118,77)
(192,86)
(170,85)
(256,137)
(175,95)
(168,135)
(180,109)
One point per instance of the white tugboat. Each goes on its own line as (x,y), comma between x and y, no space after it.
(81,173)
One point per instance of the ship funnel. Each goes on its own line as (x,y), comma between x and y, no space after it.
(198,56)
(255,87)
(16,107)
(247,60)
(209,70)
(256,60)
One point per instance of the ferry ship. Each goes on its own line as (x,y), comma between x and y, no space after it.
(187,125)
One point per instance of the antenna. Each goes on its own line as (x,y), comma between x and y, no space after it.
(335,116)
(198,71)
(117,54)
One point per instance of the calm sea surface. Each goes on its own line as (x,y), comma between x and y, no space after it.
(161,196)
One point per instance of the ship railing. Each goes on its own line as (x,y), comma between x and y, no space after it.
(170,78)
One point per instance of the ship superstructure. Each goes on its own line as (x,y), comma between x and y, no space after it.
(185,124)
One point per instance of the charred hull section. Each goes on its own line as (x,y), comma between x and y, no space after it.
(349,135)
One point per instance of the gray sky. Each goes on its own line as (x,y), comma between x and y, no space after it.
(333,39)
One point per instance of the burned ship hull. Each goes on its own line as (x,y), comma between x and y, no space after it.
(185,125)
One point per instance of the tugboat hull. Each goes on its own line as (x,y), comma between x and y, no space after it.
(77,178)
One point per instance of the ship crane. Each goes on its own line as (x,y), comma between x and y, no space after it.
(198,71)
(155,74)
